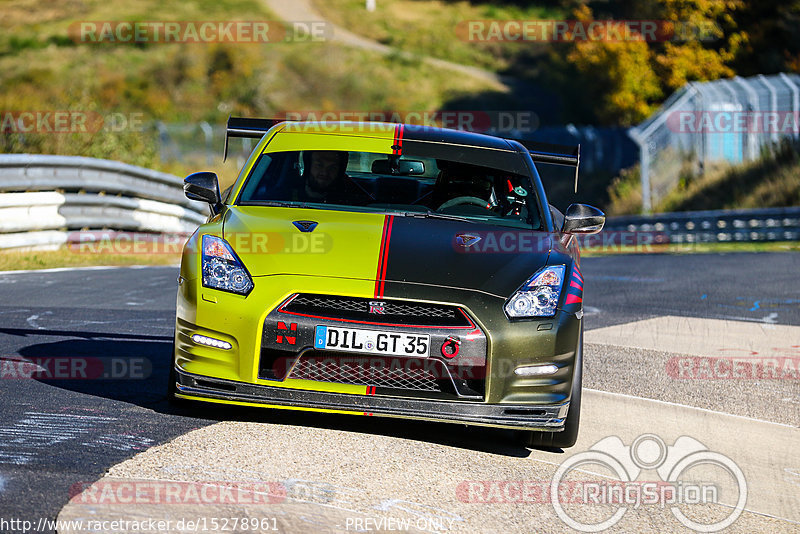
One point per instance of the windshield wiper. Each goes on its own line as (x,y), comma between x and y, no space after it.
(281,204)
(435,215)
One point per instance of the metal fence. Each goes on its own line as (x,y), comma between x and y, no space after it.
(47,201)
(718,226)
(44,200)
(730,121)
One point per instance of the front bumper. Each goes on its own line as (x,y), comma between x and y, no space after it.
(522,416)
(243,322)
(250,325)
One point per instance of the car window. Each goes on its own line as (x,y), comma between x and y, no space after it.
(366,181)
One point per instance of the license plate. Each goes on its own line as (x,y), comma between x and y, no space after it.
(372,341)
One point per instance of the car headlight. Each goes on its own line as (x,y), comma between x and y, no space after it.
(538,297)
(222,268)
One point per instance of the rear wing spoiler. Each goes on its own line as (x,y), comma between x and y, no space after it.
(567,155)
(247,127)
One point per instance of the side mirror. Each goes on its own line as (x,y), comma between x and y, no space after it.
(583,219)
(203,186)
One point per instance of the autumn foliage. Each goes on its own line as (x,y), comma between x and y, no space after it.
(707,40)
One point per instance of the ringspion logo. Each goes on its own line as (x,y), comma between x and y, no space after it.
(721,482)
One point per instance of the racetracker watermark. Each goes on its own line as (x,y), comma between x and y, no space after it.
(195,523)
(568,31)
(371,121)
(113,242)
(740,368)
(251,243)
(208,31)
(138,492)
(69,121)
(734,121)
(244,243)
(75,368)
(522,241)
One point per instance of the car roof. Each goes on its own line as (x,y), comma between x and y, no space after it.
(410,132)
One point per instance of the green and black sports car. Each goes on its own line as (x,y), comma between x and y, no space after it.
(389,270)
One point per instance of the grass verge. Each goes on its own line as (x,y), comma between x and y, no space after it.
(64,257)
(771,182)
(696,248)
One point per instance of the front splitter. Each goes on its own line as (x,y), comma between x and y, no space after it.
(515,416)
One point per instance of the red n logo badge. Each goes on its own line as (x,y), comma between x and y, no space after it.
(291,339)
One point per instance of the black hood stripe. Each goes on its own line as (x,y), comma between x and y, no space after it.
(426,252)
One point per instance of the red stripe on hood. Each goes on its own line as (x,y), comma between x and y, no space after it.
(397,143)
(380,276)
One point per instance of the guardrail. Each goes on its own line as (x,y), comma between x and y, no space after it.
(767,224)
(43,197)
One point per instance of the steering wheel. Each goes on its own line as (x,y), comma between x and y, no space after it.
(475,201)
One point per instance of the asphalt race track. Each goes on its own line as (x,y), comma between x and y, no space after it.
(652,323)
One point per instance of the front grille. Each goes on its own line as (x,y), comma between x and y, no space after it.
(378,371)
(401,312)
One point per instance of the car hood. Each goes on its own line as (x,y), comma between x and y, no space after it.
(387,249)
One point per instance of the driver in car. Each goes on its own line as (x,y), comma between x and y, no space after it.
(460,184)
(324,180)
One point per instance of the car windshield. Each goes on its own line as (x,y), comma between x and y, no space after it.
(408,185)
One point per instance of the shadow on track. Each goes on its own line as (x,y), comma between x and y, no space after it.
(134,369)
